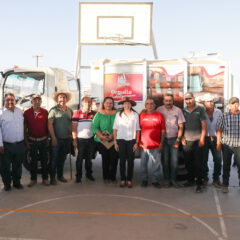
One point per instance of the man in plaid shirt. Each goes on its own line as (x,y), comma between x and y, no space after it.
(228,139)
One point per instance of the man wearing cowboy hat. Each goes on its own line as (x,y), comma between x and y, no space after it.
(212,116)
(59,126)
(35,128)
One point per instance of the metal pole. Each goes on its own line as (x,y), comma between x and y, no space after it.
(37,57)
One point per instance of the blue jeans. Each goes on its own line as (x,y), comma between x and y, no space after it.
(59,154)
(211,144)
(170,159)
(227,152)
(154,156)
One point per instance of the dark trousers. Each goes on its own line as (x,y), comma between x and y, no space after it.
(59,154)
(227,152)
(193,156)
(211,144)
(11,167)
(109,162)
(126,154)
(38,150)
(85,151)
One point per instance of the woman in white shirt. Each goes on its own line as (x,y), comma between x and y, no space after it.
(126,131)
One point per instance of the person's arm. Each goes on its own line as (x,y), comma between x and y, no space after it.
(179,136)
(96,128)
(203,133)
(1,140)
(162,140)
(52,133)
(136,145)
(26,135)
(115,139)
(74,134)
(219,136)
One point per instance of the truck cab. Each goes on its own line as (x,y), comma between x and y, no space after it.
(24,82)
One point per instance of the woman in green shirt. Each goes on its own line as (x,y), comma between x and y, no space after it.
(102,127)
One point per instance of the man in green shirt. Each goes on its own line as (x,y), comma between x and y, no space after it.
(59,126)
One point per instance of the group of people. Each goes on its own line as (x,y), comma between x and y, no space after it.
(117,134)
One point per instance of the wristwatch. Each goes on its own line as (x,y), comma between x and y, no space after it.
(178,139)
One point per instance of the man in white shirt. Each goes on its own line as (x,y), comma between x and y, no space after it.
(11,143)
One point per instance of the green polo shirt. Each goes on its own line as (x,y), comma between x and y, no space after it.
(61,121)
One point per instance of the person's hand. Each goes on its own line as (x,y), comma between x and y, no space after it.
(104,138)
(27,144)
(219,147)
(116,147)
(176,144)
(54,142)
(201,143)
(160,148)
(1,149)
(75,143)
(110,137)
(184,143)
(135,147)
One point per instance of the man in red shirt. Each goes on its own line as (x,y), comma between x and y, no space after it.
(152,136)
(35,125)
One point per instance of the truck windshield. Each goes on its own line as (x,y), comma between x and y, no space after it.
(24,84)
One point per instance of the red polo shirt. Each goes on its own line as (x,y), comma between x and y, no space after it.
(36,122)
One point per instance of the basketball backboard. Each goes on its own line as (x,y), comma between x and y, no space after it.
(115,23)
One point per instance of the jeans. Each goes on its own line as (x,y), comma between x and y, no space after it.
(85,151)
(109,162)
(211,144)
(227,152)
(12,159)
(38,150)
(170,159)
(193,155)
(154,156)
(59,154)
(126,154)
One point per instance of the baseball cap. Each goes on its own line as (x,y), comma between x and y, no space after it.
(188,95)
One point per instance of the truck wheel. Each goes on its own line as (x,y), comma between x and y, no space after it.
(27,161)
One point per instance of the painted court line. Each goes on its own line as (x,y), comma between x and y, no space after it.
(122,214)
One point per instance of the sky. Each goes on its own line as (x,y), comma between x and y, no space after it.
(49,28)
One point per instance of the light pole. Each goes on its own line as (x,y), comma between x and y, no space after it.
(37,57)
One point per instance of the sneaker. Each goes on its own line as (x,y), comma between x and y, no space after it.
(224,189)
(156,185)
(53,181)
(198,189)
(217,184)
(18,186)
(91,178)
(32,183)
(7,187)
(45,182)
(144,184)
(62,179)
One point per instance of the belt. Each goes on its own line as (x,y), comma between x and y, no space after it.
(13,142)
(38,139)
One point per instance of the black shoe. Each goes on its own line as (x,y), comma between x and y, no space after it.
(7,187)
(156,185)
(144,184)
(198,189)
(18,185)
(62,179)
(53,181)
(91,178)
(78,180)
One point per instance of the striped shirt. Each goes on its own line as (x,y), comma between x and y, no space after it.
(11,125)
(84,123)
(230,125)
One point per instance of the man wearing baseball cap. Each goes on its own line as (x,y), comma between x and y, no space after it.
(228,139)
(35,129)
(193,140)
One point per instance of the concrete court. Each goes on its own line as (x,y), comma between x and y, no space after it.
(94,210)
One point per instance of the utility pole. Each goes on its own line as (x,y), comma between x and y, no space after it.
(37,57)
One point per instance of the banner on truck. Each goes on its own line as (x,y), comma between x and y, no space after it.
(122,85)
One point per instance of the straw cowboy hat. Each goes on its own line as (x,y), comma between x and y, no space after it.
(67,94)
(127,99)
(207,97)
